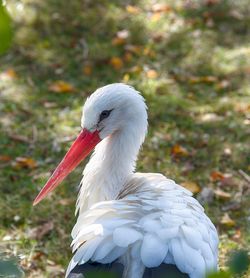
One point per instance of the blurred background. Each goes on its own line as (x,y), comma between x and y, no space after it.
(190,60)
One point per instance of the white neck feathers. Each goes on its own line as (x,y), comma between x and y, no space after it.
(113,162)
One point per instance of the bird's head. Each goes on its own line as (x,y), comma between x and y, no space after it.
(109,110)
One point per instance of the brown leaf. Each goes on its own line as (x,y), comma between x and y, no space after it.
(126,78)
(61,86)
(40,231)
(178,150)
(217,176)
(136,49)
(222,194)
(116,63)
(118,41)
(24,162)
(132,9)
(127,57)
(8,74)
(152,74)
(65,202)
(5,158)
(87,70)
(121,37)
(160,8)
(203,79)
(48,104)
(227,221)
(135,69)
(237,236)
(191,186)
(156,17)
(147,51)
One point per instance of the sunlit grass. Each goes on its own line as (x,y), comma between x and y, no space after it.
(197,93)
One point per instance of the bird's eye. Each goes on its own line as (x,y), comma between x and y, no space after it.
(104,114)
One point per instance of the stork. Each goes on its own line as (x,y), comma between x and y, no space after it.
(143,221)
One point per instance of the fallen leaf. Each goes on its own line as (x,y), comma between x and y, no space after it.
(217,176)
(222,194)
(118,41)
(178,150)
(156,17)
(132,9)
(159,8)
(152,74)
(87,70)
(223,85)
(24,162)
(135,69)
(227,221)
(191,186)
(203,79)
(243,108)
(48,104)
(127,57)
(116,63)
(126,78)
(40,231)
(61,86)
(148,51)
(8,74)
(65,202)
(211,117)
(136,49)
(123,34)
(5,158)
(237,235)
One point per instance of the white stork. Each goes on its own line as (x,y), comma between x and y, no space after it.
(141,220)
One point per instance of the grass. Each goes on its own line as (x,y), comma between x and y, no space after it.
(191,62)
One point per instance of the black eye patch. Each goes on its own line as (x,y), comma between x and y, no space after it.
(104,115)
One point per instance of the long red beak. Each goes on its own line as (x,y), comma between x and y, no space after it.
(84,143)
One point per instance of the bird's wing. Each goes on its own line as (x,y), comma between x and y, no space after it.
(160,221)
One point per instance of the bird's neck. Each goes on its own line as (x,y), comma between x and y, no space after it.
(110,166)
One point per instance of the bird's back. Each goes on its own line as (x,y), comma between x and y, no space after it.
(154,221)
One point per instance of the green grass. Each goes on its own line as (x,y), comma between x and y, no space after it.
(199,99)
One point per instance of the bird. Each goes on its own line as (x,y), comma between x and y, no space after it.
(134,224)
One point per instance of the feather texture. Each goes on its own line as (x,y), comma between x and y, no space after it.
(160,233)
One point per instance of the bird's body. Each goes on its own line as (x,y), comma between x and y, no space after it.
(140,220)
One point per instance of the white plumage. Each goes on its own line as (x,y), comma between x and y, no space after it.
(161,221)
(143,220)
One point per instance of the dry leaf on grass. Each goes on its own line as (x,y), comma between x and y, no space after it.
(161,8)
(5,158)
(8,74)
(217,176)
(24,162)
(178,150)
(203,79)
(136,49)
(87,70)
(132,9)
(227,221)
(61,86)
(152,74)
(222,194)
(116,63)
(191,186)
